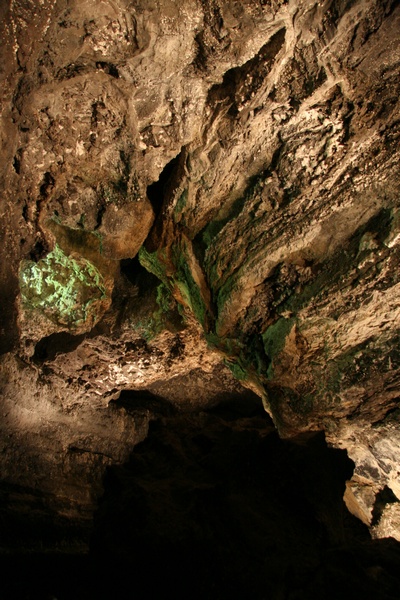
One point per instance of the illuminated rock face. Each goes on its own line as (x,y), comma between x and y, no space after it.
(68,291)
(199,200)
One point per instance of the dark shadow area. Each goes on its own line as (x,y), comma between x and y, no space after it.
(216,506)
(241,405)
(108,68)
(156,191)
(384,497)
(142,401)
(56,343)
(140,297)
(137,275)
(46,576)
(130,267)
(219,392)
(159,193)
(8,315)
(31,521)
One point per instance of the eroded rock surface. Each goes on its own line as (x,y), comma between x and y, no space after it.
(199,199)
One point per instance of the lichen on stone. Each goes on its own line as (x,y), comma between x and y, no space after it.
(68,290)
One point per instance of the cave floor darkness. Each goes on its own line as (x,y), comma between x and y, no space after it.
(216,506)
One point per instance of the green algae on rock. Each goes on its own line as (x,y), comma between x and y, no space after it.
(67,290)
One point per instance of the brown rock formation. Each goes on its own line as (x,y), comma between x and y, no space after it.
(186,187)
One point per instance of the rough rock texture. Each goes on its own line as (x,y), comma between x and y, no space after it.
(186,187)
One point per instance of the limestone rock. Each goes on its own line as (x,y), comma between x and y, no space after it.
(193,188)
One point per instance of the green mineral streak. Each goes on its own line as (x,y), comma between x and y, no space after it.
(181,203)
(164,298)
(230,347)
(115,191)
(217,237)
(110,195)
(184,290)
(301,404)
(234,354)
(237,370)
(152,263)
(187,284)
(274,340)
(66,290)
(181,278)
(99,236)
(159,320)
(149,327)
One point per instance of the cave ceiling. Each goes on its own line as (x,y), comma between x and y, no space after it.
(199,200)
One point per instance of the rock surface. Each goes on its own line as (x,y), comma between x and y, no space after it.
(200,199)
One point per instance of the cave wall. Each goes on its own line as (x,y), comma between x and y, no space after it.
(198,199)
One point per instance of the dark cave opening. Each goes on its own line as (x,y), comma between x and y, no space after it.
(137,275)
(156,191)
(137,401)
(384,497)
(215,505)
(56,343)
(131,267)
